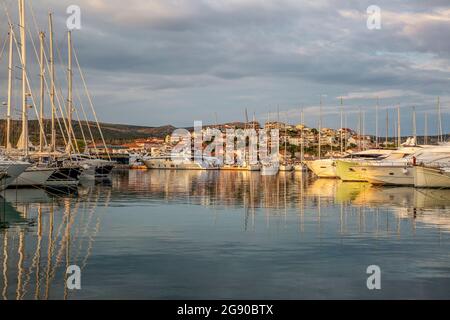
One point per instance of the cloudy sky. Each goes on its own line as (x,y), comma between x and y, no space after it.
(156,62)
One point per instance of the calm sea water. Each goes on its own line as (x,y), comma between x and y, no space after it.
(225,235)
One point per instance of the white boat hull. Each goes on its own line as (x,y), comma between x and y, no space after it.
(425,177)
(176,165)
(387,175)
(12,170)
(269,170)
(323,168)
(33,177)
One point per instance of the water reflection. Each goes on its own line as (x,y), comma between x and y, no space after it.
(43,233)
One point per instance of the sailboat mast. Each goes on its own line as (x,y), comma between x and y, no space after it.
(414,125)
(364,130)
(42,92)
(342,119)
(10,74)
(360,130)
(439,119)
(23,48)
(320,128)
(52,84)
(69,94)
(399,129)
(387,128)
(376,124)
(425,133)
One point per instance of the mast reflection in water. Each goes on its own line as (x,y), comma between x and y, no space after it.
(211,235)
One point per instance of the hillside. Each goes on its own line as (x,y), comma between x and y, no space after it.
(113,133)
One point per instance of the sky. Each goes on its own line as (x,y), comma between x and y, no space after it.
(158,62)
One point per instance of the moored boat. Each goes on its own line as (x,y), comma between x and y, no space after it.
(323,168)
(431,177)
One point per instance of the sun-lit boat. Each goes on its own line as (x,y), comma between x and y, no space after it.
(370,170)
(344,166)
(323,168)
(181,162)
(401,171)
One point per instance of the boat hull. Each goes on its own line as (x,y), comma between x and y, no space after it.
(269,170)
(11,172)
(345,170)
(33,177)
(64,177)
(324,168)
(175,165)
(425,177)
(388,175)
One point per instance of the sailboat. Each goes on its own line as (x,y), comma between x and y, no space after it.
(51,167)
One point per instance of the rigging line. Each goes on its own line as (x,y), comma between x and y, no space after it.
(26,74)
(58,101)
(55,82)
(87,122)
(90,101)
(58,51)
(81,129)
(55,85)
(72,133)
(3,48)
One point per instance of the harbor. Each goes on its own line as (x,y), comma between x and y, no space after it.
(155,164)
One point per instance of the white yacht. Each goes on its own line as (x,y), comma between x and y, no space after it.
(432,169)
(367,170)
(432,177)
(323,168)
(33,176)
(328,168)
(344,166)
(10,170)
(401,171)
(181,162)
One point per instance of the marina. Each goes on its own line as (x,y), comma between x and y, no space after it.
(131,170)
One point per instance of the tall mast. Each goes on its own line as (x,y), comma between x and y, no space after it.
(376,124)
(320,127)
(23,53)
(414,125)
(10,74)
(399,129)
(342,110)
(439,119)
(425,129)
(364,130)
(69,95)
(387,127)
(360,130)
(52,83)
(41,105)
